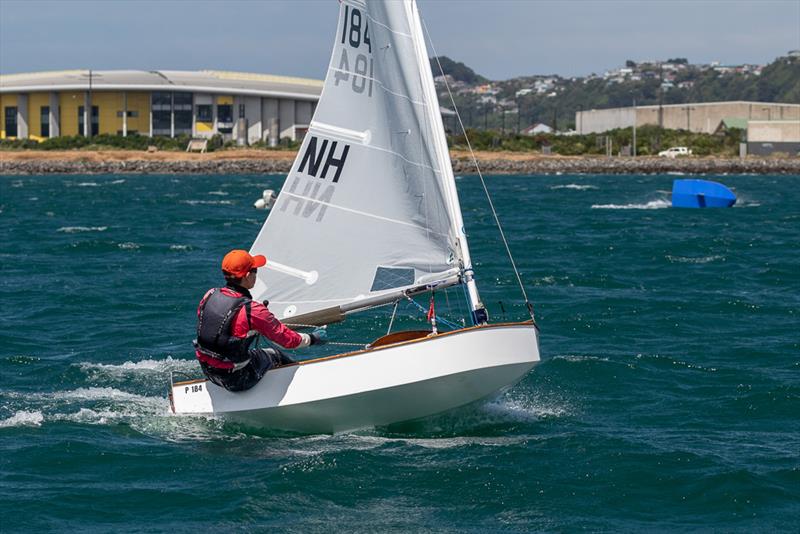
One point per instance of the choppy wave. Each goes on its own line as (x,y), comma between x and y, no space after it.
(180,247)
(207,202)
(219,193)
(70,183)
(652,205)
(673,362)
(77,229)
(23,418)
(702,259)
(129,245)
(578,187)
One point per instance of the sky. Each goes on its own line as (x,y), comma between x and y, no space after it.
(499,39)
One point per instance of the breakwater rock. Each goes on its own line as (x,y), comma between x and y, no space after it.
(515,165)
(227,166)
(630,166)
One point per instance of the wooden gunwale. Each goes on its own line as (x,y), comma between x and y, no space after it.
(391,346)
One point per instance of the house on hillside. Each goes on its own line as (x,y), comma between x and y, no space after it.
(729,123)
(536,129)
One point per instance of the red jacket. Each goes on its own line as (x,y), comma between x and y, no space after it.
(261,320)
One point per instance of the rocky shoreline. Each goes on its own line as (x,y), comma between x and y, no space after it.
(461,165)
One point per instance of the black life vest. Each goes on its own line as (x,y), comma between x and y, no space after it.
(214,324)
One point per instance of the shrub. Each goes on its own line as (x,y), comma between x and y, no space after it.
(215,143)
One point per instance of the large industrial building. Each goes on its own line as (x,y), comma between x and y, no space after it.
(247,108)
(700,118)
(768,137)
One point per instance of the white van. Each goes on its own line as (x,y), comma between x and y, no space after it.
(675,151)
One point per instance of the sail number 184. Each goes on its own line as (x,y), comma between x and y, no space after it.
(355,32)
(352,28)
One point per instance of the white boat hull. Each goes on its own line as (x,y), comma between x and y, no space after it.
(374,387)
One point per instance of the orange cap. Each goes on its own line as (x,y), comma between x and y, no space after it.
(239,262)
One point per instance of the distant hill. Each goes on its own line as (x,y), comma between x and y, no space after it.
(552,99)
(457,70)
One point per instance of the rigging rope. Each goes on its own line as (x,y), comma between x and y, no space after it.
(528,303)
(438,318)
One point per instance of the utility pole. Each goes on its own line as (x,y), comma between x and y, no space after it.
(634,127)
(660,104)
(91,107)
(485,116)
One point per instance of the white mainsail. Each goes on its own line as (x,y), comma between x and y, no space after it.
(369,206)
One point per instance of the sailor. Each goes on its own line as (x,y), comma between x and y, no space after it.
(229,321)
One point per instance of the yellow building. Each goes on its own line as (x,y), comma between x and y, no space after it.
(244,107)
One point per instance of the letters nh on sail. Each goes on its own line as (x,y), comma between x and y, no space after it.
(316,164)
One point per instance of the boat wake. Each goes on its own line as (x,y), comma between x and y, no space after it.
(744,202)
(497,417)
(149,367)
(496,422)
(107,406)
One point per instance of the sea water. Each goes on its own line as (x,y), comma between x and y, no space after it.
(668,397)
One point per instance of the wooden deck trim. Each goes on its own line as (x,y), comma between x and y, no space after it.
(421,340)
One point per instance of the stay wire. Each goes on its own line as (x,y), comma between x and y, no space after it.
(528,303)
(391,321)
(439,318)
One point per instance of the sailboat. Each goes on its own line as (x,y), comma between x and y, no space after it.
(369,216)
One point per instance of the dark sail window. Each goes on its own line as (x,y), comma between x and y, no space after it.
(391,277)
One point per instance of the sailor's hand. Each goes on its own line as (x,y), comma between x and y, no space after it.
(319,336)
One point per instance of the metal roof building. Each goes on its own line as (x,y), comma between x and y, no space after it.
(245,107)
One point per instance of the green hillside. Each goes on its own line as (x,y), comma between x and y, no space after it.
(553,100)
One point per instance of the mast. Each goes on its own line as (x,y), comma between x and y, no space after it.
(434,117)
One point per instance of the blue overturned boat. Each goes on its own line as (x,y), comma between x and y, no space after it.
(701,194)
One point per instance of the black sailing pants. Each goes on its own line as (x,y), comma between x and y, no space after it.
(261,361)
